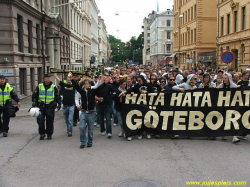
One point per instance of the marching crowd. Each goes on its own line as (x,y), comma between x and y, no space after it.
(94,100)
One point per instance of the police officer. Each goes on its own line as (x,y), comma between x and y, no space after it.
(47,98)
(6,93)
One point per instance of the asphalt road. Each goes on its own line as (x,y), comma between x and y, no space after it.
(26,161)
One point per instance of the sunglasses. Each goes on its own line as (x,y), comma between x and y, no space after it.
(172,79)
(153,79)
(195,78)
(163,81)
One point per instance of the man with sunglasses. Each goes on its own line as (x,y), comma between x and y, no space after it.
(171,83)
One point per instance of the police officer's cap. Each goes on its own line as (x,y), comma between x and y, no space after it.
(2,77)
(47,75)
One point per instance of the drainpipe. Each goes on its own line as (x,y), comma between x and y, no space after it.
(218,32)
(42,21)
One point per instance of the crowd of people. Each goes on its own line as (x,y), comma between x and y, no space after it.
(98,95)
(95,99)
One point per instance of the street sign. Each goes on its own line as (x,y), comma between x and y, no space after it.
(227,57)
(7,72)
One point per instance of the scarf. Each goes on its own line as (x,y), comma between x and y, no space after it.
(121,90)
(206,85)
(191,83)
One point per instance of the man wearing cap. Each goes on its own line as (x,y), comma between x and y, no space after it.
(68,92)
(46,97)
(6,93)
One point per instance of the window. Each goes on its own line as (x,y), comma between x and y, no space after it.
(186,38)
(38,39)
(194,35)
(148,41)
(168,23)
(30,47)
(228,23)
(148,35)
(71,22)
(168,35)
(188,14)
(235,21)
(243,18)
(183,39)
(168,48)
(20,32)
(222,26)
(192,12)
(195,11)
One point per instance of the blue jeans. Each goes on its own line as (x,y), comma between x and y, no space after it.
(107,112)
(114,112)
(120,118)
(68,113)
(86,120)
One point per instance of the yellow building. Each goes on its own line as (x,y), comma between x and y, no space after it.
(195,31)
(234,32)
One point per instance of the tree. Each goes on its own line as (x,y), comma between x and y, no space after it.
(126,51)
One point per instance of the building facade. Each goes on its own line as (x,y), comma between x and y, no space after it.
(146,43)
(195,31)
(103,41)
(233,32)
(94,33)
(161,39)
(80,40)
(34,37)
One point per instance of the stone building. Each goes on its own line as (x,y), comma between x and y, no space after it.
(34,36)
(195,31)
(233,32)
(103,41)
(146,43)
(80,40)
(161,40)
(94,33)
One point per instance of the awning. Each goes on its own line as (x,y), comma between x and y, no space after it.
(171,56)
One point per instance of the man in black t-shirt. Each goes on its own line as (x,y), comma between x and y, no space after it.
(244,81)
(68,93)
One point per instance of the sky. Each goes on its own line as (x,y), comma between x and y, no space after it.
(131,14)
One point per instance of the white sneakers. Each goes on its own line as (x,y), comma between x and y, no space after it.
(129,138)
(120,134)
(103,133)
(235,140)
(148,136)
(109,135)
(115,124)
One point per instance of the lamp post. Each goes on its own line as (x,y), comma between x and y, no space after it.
(134,55)
(68,3)
(179,55)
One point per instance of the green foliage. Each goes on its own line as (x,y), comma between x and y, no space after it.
(126,51)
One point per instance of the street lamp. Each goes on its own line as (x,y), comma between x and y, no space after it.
(68,3)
